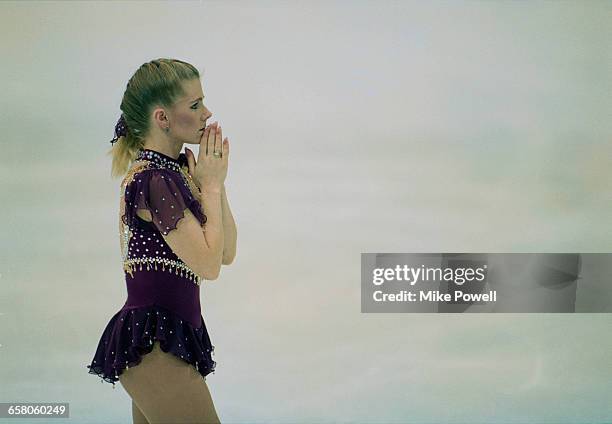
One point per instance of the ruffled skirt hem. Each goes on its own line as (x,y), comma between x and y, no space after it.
(130,335)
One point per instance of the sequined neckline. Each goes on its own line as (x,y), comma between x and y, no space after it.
(159,159)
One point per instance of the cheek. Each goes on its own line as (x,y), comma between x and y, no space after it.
(186,119)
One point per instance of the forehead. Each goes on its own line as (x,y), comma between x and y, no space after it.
(193,90)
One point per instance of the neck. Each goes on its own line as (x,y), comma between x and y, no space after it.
(158,159)
(165,148)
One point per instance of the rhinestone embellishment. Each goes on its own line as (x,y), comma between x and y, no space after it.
(170,265)
(149,159)
(158,159)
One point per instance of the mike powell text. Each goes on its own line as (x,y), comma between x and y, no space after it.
(434,296)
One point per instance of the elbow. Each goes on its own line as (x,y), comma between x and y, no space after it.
(211,268)
(213,274)
(227,260)
(212,277)
(228,256)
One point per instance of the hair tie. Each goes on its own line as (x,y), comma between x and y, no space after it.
(120,129)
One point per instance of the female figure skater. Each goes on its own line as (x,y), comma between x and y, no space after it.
(157,345)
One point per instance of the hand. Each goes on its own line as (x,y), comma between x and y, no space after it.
(209,169)
(191,163)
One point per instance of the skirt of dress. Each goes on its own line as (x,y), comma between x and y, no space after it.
(130,334)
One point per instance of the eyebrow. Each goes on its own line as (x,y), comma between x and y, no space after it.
(195,100)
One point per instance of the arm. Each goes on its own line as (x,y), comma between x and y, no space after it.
(199,246)
(229,230)
(213,228)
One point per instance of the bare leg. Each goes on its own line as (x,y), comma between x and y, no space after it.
(169,390)
(137,415)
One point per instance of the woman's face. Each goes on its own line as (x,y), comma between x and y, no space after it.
(189,115)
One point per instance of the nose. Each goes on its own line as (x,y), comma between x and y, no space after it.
(207,113)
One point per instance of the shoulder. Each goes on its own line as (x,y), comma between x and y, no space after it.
(137,169)
(144,173)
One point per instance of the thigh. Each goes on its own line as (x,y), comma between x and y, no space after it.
(168,389)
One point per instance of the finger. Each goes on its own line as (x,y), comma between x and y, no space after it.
(218,138)
(203,151)
(226,148)
(190,161)
(210,142)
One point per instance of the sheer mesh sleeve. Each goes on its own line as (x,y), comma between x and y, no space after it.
(164,194)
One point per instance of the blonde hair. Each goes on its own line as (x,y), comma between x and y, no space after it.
(155,83)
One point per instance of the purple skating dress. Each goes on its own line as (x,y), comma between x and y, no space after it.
(163,293)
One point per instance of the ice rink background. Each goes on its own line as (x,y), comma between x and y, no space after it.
(354,127)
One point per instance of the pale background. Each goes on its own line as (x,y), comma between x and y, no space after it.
(354,127)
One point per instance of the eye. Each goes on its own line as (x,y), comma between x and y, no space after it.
(195,106)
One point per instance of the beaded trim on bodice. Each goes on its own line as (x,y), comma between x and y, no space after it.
(150,159)
(158,159)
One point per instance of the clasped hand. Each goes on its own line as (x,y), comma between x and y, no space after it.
(209,170)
